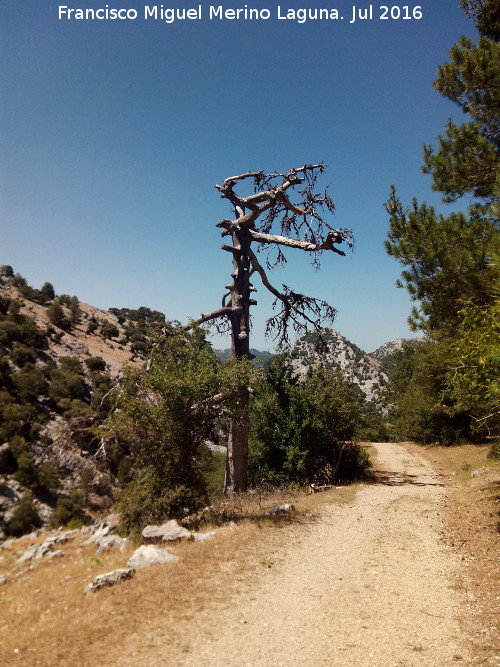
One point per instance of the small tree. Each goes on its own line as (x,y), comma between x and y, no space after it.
(57,316)
(109,330)
(166,411)
(47,292)
(7,271)
(299,224)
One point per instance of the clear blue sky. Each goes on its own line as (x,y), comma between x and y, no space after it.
(114,133)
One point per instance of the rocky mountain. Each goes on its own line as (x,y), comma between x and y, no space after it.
(337,353)
(385,353)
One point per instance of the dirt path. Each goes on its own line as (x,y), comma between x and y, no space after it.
(370,583)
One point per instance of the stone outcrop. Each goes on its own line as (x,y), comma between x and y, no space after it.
(282,509)
(170,531)
(109,579)
(148,554)
(46,549)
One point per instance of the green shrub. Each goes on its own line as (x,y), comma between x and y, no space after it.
(92,326)
(25,473)
(147,499)
(57,315)
(30,383)
(75,312)
(24,518)
(494,451)
(73,408)
(109,330)
(47,292)
(7,271)
(22,354)
(163,420)
(95,364)
(48,477)
(69,509)
(15,419)
(67,380)
(301,430)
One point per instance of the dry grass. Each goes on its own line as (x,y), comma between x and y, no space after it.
(473,530)
(47,621)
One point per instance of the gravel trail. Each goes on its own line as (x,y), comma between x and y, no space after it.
(369,583)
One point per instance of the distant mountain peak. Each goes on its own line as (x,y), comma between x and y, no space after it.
(391,347)
(337,353)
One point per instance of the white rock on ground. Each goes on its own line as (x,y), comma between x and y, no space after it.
(201,537)
(110,542)
(150,555)
(167,532)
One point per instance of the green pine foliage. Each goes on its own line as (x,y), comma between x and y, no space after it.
(445,260)
(468,154)
(447,390)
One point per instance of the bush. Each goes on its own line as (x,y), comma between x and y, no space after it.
(25,517)
(47,476)
(47,292)
(69,510)
(30,383)
(494,451)
(95,364)
(148,499)
(15,419)
(92,326)
(57,315)
(22,354)
(302,430)
(7,271)
(67,380)
(25,473)
(109,330)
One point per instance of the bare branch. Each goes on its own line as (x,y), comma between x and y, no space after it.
(221,312)
(334,237)
(264,278)
(299,311)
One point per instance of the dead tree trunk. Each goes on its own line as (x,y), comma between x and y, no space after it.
(237,446)
(300,226)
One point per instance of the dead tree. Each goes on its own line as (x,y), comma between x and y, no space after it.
(301,225)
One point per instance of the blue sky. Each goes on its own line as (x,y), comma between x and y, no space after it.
(114,133)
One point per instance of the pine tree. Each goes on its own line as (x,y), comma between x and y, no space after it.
(447,259)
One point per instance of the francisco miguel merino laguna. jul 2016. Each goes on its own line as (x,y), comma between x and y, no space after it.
(246,13)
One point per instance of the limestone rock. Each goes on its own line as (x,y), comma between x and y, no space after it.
(150,555)
(282,509)
(201,537)
(480,471)
(110,542)
(98,532)
(167,532)
(44,550)
(109,579)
